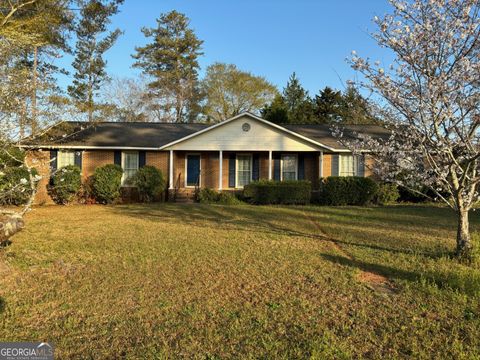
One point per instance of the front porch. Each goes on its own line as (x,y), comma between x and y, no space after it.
(231,170)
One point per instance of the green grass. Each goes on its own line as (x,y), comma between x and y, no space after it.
(205,281)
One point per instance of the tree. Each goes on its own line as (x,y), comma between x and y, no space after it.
(170,60)
(128,100)
(431,102)
(89,64)
(299,104)
(230,91)
(356,110)
(276,112)
(24,24)
(328,106)
(32,36)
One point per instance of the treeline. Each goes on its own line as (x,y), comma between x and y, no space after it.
(33,33)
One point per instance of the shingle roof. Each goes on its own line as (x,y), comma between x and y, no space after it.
(116,134)
(155,135)
(322,133)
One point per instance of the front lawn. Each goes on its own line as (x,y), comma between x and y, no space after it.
(200,281)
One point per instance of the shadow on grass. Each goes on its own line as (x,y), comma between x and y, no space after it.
(467,282)
(3,305)
(261,219)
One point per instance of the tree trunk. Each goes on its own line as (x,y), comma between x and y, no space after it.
(9,226)
(464,245)
(34,91)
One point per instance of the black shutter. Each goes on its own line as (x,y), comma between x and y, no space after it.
(276,167)
(231,170)
(301,167)
(117,157)
(53,160)
(256,167)
(78,159)
(142,159)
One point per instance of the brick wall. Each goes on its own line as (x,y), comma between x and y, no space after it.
(40,160)
(159,159)
(92,159)
(327,165)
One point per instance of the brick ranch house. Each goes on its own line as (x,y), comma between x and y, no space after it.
(224,156)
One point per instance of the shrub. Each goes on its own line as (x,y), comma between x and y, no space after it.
(386,194)
(15,185)
(65,184)
(207,196)
(107,181)
(210,196)
(150,183)
(274,192)
(350,190)
(226,198)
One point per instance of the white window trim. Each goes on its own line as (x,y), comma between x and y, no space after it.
(60,152)
(236,168)
(123,165)
(281,165)
(186,174)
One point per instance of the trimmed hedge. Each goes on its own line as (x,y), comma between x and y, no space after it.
(150,183)
(265,192)
(107,181)
(210,196)
(65,184)
(350,190)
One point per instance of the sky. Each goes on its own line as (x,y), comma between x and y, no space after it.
(271,38)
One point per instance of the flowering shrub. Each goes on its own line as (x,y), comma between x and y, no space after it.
(65,184)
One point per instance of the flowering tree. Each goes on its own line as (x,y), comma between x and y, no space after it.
(430,99)
(25,26)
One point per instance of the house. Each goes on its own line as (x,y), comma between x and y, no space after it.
(224,156)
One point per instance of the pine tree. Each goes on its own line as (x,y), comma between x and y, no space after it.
(328,106)
(89,64)
(277,111)
(171,62)
(298,103)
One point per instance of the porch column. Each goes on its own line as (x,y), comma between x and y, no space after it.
(320,165)
(220,170)
(170,171)
(270,165)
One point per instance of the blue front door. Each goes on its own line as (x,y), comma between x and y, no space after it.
(193,169)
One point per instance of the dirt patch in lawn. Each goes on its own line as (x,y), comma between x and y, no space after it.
(374,281)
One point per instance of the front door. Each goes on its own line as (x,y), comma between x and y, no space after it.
(193,169)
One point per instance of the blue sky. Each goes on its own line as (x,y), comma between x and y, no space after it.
(271,38)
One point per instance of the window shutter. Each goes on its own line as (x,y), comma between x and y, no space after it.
(276,167)
(78,159)
(53,160)
(231,170)
(256,167)
(360,165)
(335,165)
(117,157)
(301,167)
(142,159)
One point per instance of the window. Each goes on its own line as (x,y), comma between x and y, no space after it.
(244,170)
(129,165)
(65,158)
(289,167)
(347,165)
